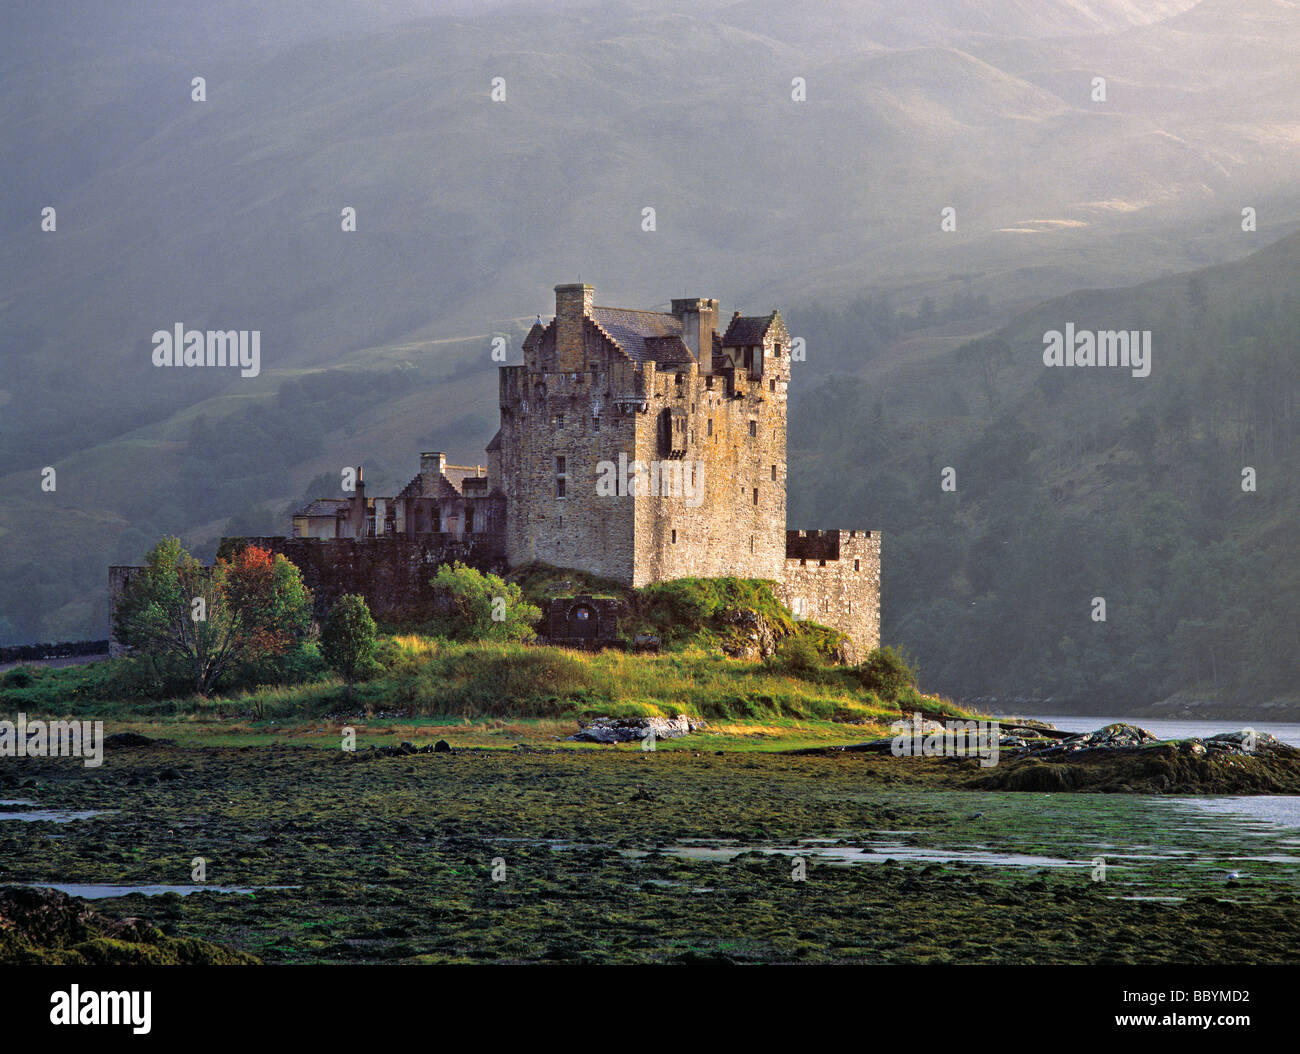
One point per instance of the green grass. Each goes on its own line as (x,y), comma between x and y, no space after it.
(438,681)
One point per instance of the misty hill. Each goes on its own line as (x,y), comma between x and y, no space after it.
(225,214)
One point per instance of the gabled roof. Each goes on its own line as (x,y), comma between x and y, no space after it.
(324,507)
(631,330)
(668,351)
(747,330)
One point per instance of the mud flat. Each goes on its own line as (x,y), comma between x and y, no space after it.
(393,856)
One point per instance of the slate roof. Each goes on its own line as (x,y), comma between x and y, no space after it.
(643,336)
(747,330)
(631,330)
(323,507)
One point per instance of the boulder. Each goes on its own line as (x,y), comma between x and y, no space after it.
(632,729)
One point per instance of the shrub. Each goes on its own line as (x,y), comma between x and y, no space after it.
(18,678)
(797,654)
(482,607)
(887,673)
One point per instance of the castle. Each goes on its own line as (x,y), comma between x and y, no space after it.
(635,445)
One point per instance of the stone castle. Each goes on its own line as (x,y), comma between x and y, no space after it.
(635,445)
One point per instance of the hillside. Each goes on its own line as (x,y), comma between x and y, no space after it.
(1077,483)
(226,214)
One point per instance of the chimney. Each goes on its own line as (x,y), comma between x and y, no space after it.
(572,305)
(699,322)
(357,506)
(433,463)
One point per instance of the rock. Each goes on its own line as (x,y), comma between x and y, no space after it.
(441,747)
(646,642)
(1108,738)
(631,729)
(133,739)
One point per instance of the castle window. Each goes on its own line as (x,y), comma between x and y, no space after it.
(559,486)
(469,520)
(821,563)
(857,565)
(708,382)
(777,351)
(710,426)
(753,428)
(771,385)
(674,537)
(560,464)
(559,420)
(773,472)
(755,495)
(561,479)
(751,543)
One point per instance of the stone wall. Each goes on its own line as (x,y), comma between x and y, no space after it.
(391,571)
(547,416)
(735,430)
(833,577)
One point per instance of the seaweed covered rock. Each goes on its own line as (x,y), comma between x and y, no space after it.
(46,927)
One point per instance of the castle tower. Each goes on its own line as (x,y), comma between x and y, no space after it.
(644,445)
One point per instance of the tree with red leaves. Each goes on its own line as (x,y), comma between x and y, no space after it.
(246,607)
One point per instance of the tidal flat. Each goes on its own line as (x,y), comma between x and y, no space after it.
(630,856)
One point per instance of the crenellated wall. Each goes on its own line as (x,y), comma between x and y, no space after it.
(833,577)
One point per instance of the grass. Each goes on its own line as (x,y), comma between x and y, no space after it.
(477,680)
(504,692)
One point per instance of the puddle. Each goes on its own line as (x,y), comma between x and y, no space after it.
(847,856)
(53,815)
(99,892)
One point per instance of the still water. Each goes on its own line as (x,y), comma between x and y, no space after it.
(1287,732)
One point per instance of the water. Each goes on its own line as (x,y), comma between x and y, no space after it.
(1174,728)
(53,815)
(1262,812)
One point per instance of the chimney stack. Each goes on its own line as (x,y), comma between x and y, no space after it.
(699,322)
(433,463)
(572,305)
(357,506)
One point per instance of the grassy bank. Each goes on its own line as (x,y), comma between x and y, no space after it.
(490,693)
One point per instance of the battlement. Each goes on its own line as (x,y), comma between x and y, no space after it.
(824,545)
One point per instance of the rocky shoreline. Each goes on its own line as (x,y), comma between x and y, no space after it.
(1034,756)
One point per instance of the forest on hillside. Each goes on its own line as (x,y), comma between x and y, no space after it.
(1072,485)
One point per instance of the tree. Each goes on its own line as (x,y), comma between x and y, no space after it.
(245,607)
(348,639)
(482,607)
(988,355)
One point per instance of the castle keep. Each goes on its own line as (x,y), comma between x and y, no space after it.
(635,445)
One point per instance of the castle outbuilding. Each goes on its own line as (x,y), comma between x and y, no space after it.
(636,445)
